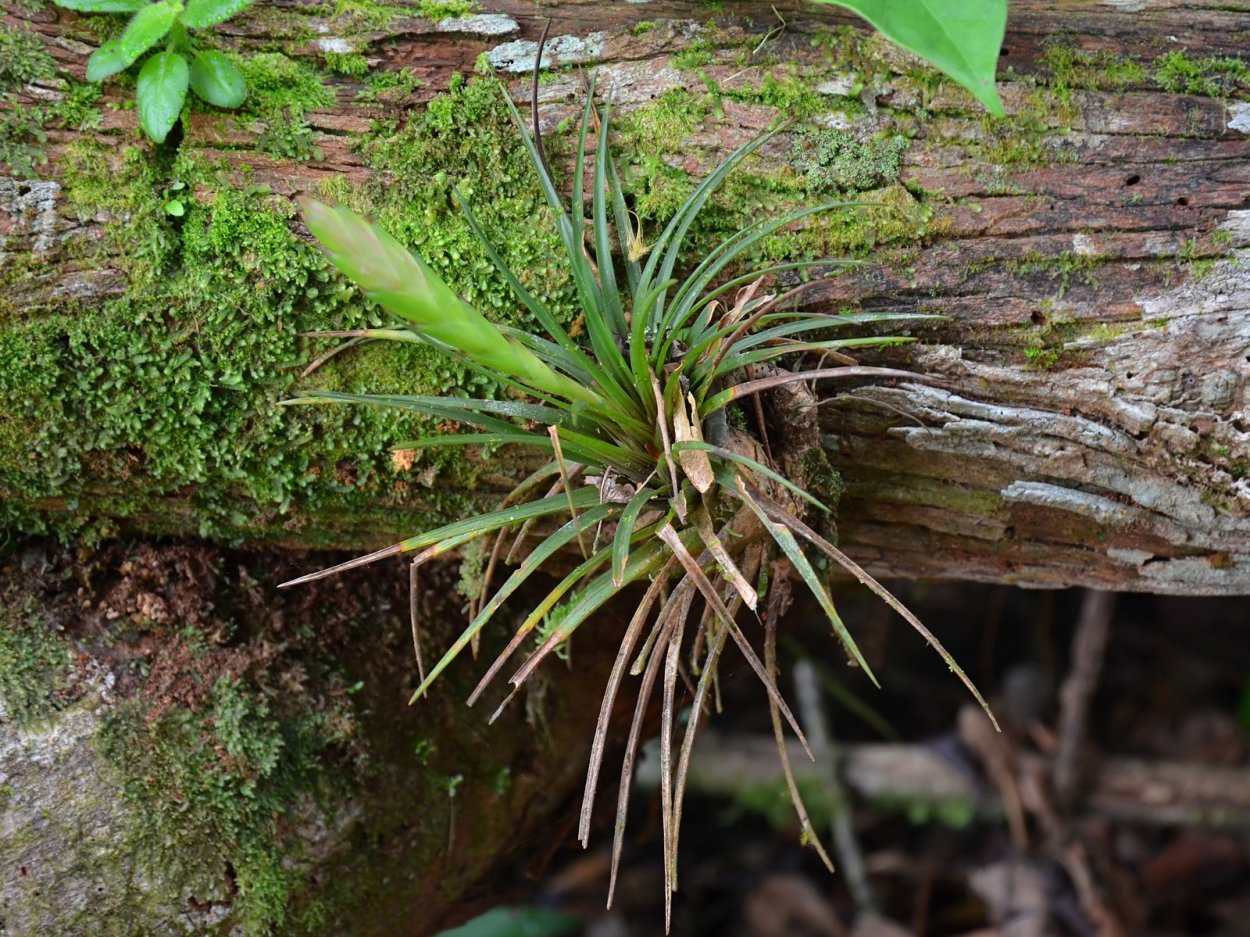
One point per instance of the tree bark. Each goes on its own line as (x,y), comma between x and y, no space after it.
(1086,425)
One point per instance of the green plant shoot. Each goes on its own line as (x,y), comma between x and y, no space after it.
(165,77)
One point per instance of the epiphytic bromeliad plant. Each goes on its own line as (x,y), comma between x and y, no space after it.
(164,78)
(646,479)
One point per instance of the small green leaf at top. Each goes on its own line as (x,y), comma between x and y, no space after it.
(960,37)
(215,79)
(161,91)
(201,13)
(102,6)
(143,31)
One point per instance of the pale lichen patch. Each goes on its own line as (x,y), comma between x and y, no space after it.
(31,207)
(336,45)
(481,24)
(1096,507)
(1239,116)
(518,56)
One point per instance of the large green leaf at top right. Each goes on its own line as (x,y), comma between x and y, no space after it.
(960,37)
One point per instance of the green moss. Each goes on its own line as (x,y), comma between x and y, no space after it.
(171,389)
(1210,76)
(654,141)
(695,55)
(887,213)
(367,15)
(29,362)
(790,93)
(176,382)
(23,128)
(1067,268)
(23,59)
(643,27)
(352,64)
(1071,68)
(281,92)
(211,796)
(658,187)
(277,84)
(1041,356)
(390,86)
(1048,342)
(1106,332)
(34,663)
(289,136)
(837,161)
(21,140)
(124,189)
(1034,135)
(77,108)
(438,10)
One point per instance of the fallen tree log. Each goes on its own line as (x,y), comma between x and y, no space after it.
(1087,254)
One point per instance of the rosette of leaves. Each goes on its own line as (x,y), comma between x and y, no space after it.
(165,77)
(645,481)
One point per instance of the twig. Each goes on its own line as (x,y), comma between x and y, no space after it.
(828,758)
(414,615)
(779,597)
(776,30)
(538,64)
(1089,647)
(1151,793)
(336,350)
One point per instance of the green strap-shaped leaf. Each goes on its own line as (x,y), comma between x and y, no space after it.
(794,553)
(960,37)
(201,13)
(160,94)
(531,564)
(215,79)
(102,6)
(625,531)
(144,30)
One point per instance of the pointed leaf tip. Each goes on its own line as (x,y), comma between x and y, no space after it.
(960,37)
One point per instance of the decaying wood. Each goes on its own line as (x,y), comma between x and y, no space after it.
(1118,458)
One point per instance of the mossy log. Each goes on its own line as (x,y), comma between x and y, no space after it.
(1083,422)
(1087,425)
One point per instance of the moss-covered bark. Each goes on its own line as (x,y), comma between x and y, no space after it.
(184,747)
(154,296)
(155,392)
